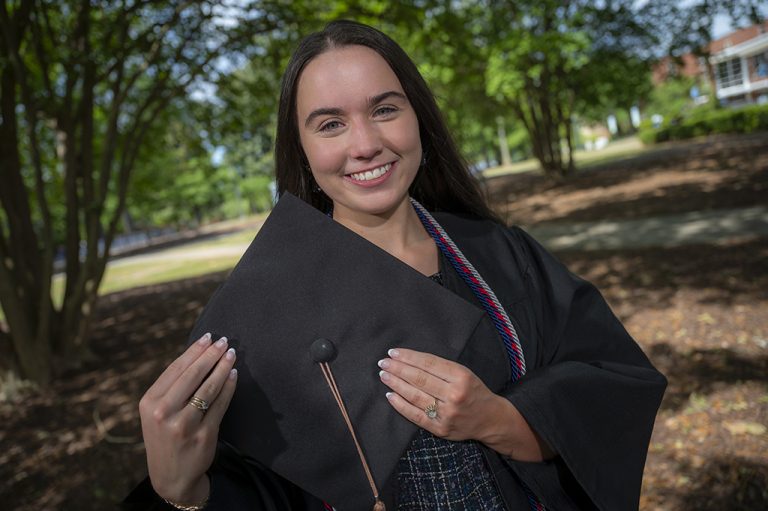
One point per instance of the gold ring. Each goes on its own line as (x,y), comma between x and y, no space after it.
(431,410)
(200,404)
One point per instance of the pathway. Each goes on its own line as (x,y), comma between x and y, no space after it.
(659,231)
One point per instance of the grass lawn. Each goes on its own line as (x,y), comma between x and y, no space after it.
(617,150)
(166,265)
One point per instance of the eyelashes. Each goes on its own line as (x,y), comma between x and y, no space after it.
(381,112)
(329,126)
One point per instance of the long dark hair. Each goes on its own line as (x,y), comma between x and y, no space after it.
(443,183)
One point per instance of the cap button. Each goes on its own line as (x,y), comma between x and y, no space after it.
(322,350)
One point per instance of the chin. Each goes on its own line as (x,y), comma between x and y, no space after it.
(378,206)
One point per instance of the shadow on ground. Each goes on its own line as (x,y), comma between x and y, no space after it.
(77,445)
(702,371)
(727,484)
(721,275)
(718,173)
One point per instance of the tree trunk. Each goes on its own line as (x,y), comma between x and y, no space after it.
(32,354)
(712,81)
(503,146)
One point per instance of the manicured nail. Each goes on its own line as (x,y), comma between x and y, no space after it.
(384,375)
(221,342)
(205,339)
(389,395)
(230,354)
(393,353)
(233,374)
(384,363)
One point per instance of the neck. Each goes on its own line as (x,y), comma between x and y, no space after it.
(398,232)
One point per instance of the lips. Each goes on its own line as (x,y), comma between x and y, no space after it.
(370,175)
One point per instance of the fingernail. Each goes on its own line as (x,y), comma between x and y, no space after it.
(389,395)
(384,363)
(230,354)
(384,375)
(393,353)
(205,339)
(221,342)
(233,374)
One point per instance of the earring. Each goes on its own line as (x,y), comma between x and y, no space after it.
(313,184)
(423,158)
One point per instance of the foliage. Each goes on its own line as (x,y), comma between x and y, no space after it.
(671,99)
(174,181)
(708,121)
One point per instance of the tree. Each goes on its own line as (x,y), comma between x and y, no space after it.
(547,61)
(81,85)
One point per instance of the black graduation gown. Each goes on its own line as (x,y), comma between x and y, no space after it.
(589,391)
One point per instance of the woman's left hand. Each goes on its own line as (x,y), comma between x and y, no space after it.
(465,406)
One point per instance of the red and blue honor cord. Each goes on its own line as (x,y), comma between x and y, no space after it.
(487,298)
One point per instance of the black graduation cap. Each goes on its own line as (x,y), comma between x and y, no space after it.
(306,277)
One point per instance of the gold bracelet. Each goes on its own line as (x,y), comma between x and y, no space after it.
(182,507)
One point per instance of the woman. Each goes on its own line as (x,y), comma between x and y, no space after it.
(359,136)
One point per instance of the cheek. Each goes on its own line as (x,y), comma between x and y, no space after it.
(409,137)
(323,156)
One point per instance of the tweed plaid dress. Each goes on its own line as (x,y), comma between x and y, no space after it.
(438,474)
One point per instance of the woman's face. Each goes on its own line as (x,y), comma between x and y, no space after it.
(358,131)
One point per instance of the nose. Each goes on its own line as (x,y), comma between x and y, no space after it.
(365,141)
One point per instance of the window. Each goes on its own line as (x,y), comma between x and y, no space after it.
(729,73)
(760,64)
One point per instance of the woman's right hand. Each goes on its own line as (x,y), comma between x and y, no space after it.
(179,438)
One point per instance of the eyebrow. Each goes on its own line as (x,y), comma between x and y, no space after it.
(374,100)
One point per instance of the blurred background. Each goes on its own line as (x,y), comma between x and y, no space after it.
(630,137)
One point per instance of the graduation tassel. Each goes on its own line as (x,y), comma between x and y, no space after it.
(323,352)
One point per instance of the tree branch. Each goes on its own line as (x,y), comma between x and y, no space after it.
(12,45)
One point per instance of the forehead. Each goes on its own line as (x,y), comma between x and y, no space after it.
(344,77)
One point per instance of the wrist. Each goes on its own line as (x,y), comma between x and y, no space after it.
(192,498)
(500,426)
(509,434)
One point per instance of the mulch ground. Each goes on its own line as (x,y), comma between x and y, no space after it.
(700,313)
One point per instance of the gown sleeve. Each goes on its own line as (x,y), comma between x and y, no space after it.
(590,392)
(238,483)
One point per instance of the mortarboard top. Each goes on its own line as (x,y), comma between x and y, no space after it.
(306,277)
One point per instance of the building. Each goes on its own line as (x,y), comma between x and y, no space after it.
(740,62)
(740,66)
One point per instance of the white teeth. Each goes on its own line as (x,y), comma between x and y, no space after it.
(371,174)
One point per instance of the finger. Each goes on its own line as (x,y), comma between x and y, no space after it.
(418,378)
(209,390)
(183,388)
(413,395)
(221,403)
(178,366)
(414,414)
(437,366)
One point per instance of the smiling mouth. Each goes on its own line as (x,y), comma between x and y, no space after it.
(369,175)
